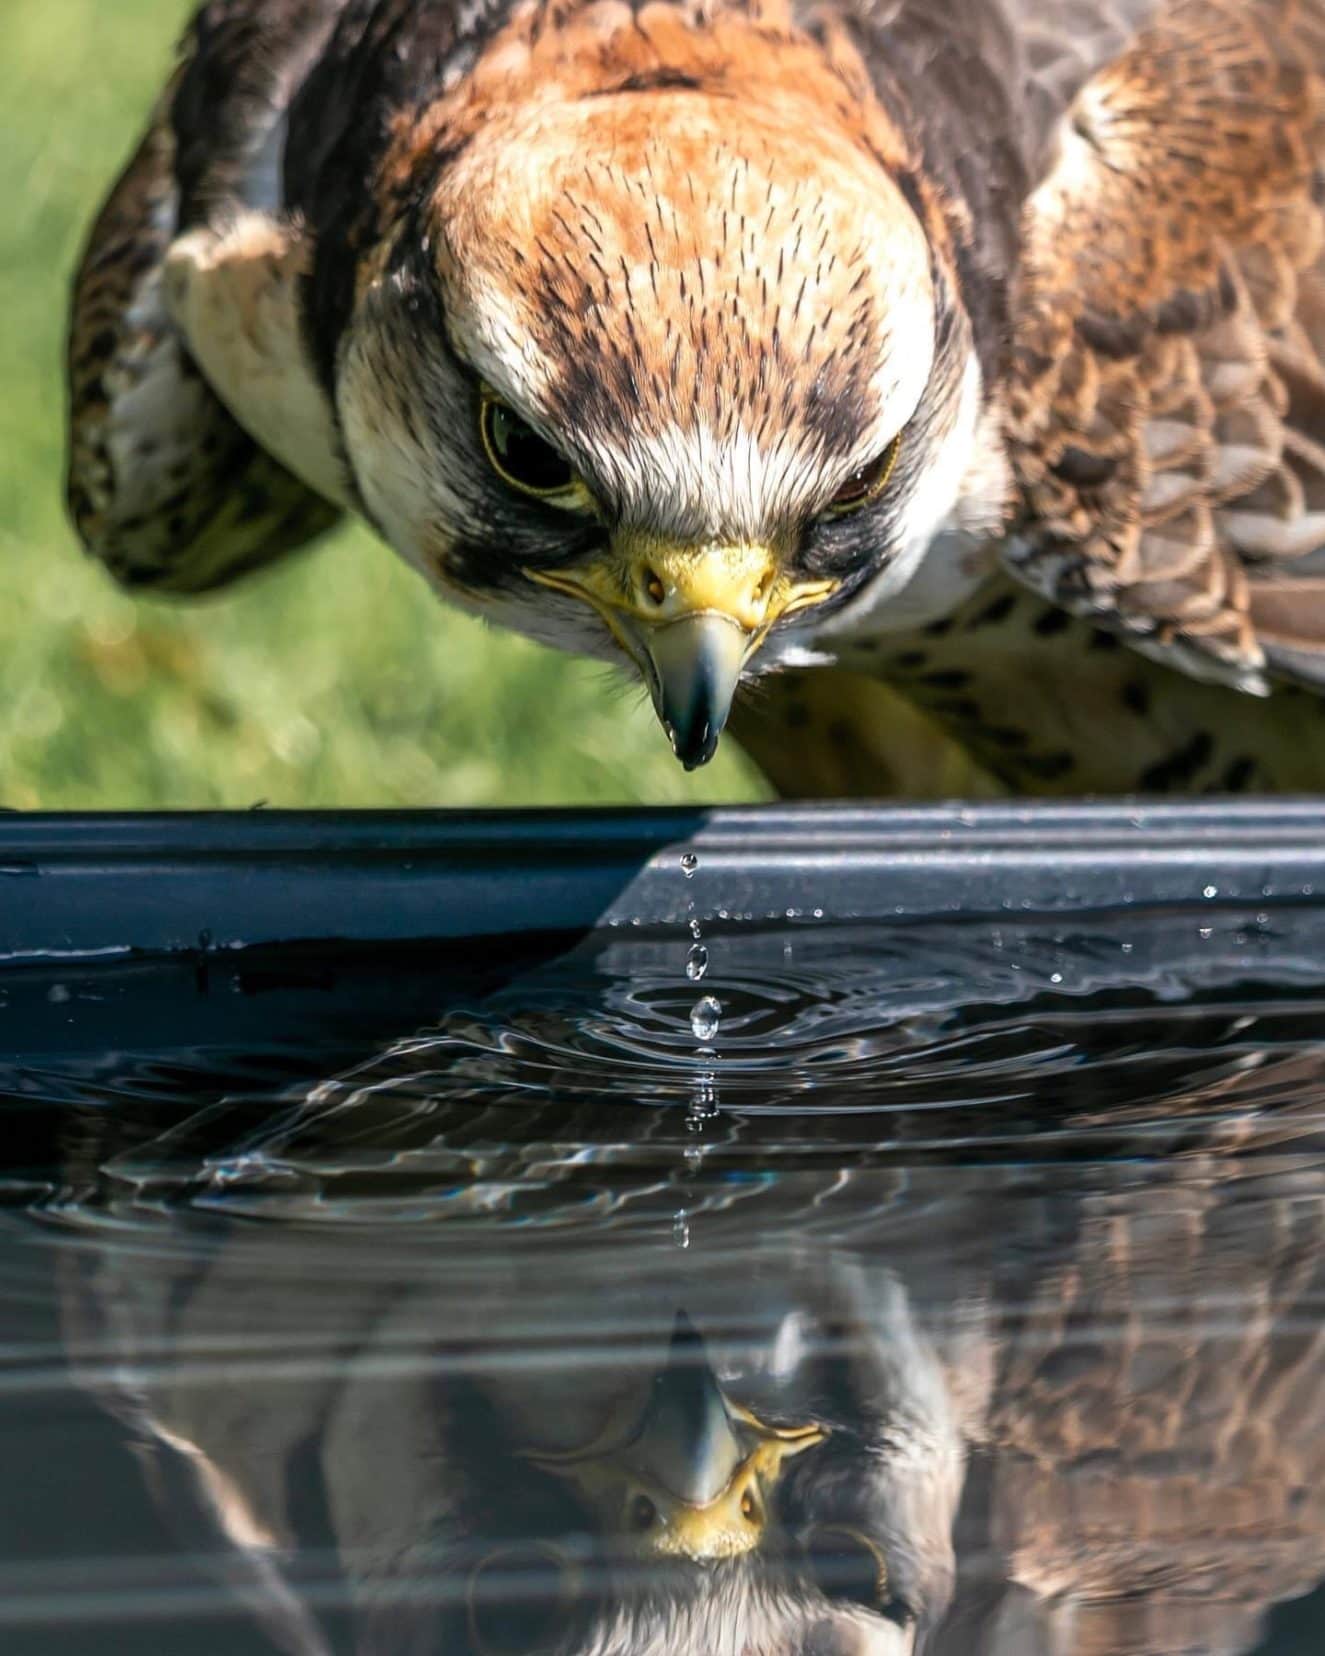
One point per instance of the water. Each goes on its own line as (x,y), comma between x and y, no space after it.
(706,1017)
(965,1293)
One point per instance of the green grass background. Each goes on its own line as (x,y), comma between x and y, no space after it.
(335,680)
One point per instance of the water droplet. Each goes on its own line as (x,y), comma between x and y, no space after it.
(681,1229)
(689,863)
(1210,891)
(1055,977)
(1205,933)
(1128,947)
(238,1169)
(696,930)
(818,914)
(705,1016)
(704,1105)
(697,962)
(58,994)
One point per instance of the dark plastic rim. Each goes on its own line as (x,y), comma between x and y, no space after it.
(78,885)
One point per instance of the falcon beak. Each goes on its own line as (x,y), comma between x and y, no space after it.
(690,617)
(693,1477)
(697,664)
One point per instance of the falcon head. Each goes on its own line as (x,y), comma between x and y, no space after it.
(676,380)
(632,1505)
(761,1525)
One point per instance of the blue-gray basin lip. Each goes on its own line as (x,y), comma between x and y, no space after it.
(82,885)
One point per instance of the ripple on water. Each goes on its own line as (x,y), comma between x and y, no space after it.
(955,1041)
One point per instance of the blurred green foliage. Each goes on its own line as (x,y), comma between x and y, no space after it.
(335,680)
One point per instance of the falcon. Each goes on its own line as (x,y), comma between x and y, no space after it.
(942,378)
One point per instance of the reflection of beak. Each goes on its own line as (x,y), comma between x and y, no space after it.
(687,1444)
(694,1477)
(690,618)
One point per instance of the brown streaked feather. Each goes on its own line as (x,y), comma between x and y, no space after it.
(163,485)
(1165,402)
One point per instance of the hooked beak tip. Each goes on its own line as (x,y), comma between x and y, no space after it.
(697,666)
(693,746)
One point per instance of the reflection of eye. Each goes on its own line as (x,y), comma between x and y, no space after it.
(865,485)
(849,1569)
(521,1600)
(521,458)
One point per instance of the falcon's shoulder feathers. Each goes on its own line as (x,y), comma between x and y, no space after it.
(1166,397)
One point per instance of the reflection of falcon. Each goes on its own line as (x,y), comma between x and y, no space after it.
(529,1454)
(1102,1378)
(721,337)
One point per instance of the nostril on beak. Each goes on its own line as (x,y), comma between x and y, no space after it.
(763,591)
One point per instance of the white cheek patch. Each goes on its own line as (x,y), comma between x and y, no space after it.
(399,480)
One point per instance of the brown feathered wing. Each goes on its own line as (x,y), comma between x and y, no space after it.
(1166,412)
(163,484)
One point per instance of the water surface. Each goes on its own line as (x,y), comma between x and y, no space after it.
(949,1285)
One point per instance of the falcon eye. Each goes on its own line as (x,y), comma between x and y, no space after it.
(521,458)
(849,1569)
(521,1601)
(865,485)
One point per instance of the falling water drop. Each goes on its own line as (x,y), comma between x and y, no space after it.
(681,1229)
(697,962)
(705,1016)
(696,930)
(689,863)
